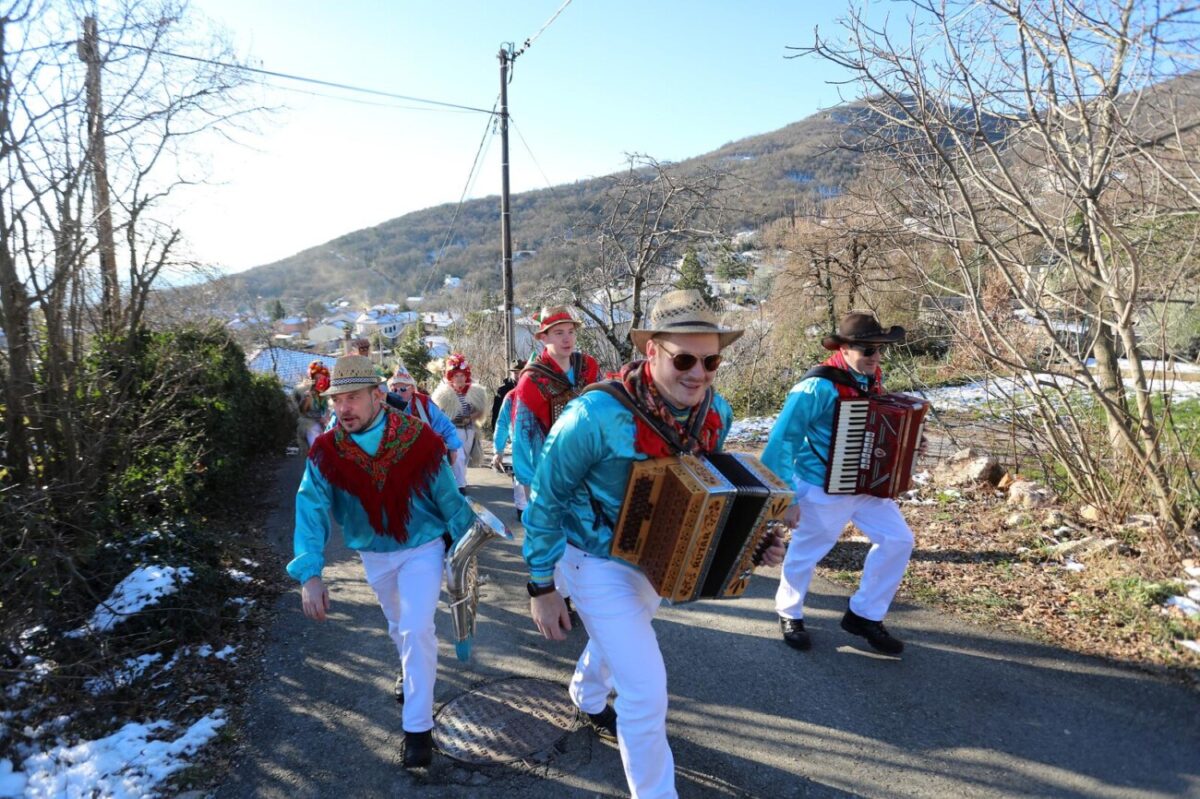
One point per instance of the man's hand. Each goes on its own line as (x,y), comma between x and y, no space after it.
(314,598)
(791,517)
(498,462)
(454,453)
(550,615)
(774,554)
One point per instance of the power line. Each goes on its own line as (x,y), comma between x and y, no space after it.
(344,99)
(302,79)
(471,176)
(533,38)
(528,150)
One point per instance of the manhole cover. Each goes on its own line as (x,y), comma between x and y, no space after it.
(504,721)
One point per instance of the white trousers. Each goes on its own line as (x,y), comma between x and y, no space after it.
(617,604)
(467,434)
(519,500)
(407,583)
(822,518)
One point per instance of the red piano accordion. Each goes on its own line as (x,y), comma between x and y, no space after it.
(874,444)
(696,525)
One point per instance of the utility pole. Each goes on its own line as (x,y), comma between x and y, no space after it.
(505,213)
(89,53)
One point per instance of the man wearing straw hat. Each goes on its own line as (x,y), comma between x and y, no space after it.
(577,491)
(383,476)
(795,451)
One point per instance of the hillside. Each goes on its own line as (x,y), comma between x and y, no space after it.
(394,259)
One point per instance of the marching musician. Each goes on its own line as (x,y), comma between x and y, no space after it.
(545,385)
(576,496)
(383,475)
(796,451)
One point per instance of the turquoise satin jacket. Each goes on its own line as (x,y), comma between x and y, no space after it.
(803,431)
(440,510)
(584,468)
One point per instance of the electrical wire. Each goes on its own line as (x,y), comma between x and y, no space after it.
(532,157)
(471,177)
(341,98)
(541,30)
(301,78)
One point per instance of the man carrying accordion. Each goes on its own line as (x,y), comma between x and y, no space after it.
(660,407)
(847,448)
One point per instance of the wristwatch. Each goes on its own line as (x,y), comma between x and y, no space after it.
(538,589)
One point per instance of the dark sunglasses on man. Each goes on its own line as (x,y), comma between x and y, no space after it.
(868,349)
(684,361)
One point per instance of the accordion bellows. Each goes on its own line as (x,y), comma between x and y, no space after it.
(696,525)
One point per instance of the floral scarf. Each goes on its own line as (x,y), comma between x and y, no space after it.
(409,455)
(693,436)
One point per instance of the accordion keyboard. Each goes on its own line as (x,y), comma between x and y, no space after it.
(850,428)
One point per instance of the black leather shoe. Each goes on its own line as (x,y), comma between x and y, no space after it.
(794,634)
(398,690)
(875,633)
(604,723)
(418,749)
(519,516)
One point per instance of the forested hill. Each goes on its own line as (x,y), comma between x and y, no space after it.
(396,258)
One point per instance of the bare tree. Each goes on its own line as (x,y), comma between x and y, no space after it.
(64,423)
(645,220)
(1045,150)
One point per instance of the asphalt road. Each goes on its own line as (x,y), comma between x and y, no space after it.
(967,712)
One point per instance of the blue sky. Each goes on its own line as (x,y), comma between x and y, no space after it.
(608,77)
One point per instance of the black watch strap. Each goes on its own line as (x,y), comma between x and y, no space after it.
(538,589)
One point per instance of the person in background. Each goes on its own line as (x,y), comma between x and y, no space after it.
(311,405)
(403,395)
(578,489)
(510,382)
(499,442)
(463,401)
(796,451)
(382,476)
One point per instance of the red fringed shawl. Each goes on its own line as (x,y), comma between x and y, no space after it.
(838,361)
(379,481)
(536,387)
(640,387)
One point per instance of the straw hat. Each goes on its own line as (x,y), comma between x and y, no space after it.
(683,311)
(553,315)
(350,373)
(861,327)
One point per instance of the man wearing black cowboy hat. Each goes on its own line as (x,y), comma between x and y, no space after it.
(795,451)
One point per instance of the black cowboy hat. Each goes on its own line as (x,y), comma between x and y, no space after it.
(861,327)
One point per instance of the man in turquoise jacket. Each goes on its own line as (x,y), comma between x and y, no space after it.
(576,496)
(383,476)
(796,451)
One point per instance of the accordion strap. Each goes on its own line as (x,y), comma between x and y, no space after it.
(836,376)
(616,390)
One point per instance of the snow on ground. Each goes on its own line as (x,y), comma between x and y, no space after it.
(128,764)
(144,586)
(122,677)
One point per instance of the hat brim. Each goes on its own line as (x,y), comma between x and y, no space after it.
(574,322)
(725,335)
(346,388)
(892,335)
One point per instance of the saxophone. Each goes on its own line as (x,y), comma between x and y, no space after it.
(462,575)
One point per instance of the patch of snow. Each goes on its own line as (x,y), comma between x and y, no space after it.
(144,586)
(239,576)
(128,764)
(1073,565)
(1185,603)
(1192,645)
(253,564)
(752,428)
(122,677)
(922,478)
(206,651)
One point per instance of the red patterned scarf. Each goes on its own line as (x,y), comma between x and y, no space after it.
(544,379)
(692,436)
(381,482)
(838,361)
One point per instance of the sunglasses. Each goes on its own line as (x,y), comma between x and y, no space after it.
(868,351)
(684,361)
